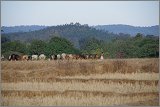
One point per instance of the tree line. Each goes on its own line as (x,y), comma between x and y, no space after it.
(139,46)
(55,45)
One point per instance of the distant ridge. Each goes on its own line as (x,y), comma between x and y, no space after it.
(22,28)
(115,28)
(128,29)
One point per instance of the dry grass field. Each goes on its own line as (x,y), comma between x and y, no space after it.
(80,82)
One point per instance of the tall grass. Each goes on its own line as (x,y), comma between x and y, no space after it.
(84,67)
(110,86)
(75,99)
(80,82)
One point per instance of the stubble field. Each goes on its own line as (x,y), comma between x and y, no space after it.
(80,82)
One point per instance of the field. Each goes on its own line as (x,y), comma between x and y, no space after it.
(80,82)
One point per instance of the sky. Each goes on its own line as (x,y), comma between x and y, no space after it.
(136,13)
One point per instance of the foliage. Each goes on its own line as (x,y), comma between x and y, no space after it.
(4,39)
(15,46)
(37,47)
(90,46)
(118,46)
(134,47)
(59,45)
(56,45)
(72,32)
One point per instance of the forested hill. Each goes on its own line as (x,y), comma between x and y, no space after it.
(117,28)
(127,29)
(72,32)
(76,38)
(13,29)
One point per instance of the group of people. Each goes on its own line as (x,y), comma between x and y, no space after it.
(63,56)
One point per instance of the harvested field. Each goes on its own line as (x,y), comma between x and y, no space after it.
(73,98)
(80,82)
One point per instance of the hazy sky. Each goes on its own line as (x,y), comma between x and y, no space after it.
(137,13)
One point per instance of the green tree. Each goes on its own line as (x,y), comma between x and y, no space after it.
(91,46)
(4,39)
(139,36)
(15,46)
(37,47)
(58,45)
